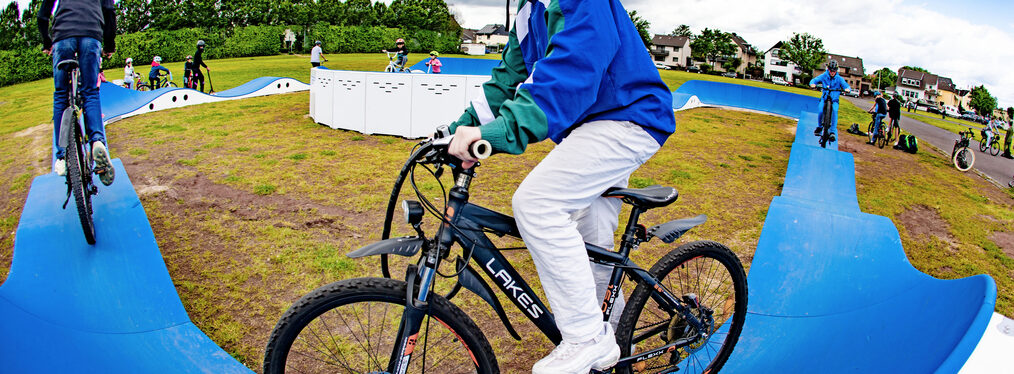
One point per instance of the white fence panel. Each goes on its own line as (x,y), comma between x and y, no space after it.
(325,98)
(388,103)
(349,103)
(436,100)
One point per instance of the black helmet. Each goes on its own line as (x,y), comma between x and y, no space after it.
(317,42)
(200,43)
(832,66)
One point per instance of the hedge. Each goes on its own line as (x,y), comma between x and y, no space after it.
(31,64)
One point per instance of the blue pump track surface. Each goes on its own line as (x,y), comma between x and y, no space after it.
(831,290)
(67,306)
(463,66)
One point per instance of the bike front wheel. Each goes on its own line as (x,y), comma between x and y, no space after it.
(351,326)
(963,159)
(994,148)
(881,141)
(713,274)
(78,175)
(171,84)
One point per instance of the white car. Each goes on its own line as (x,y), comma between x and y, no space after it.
(660,65)
(779,81)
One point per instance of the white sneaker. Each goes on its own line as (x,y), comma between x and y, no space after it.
(60,167)
(600,353)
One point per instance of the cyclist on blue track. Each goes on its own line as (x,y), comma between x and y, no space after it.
(575,72)
(832,81)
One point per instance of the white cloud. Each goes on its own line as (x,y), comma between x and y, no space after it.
(889,33)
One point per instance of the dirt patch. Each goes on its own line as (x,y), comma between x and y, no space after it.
(923,222)
(1004,240)
(40,136)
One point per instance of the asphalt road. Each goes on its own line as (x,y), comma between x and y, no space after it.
(995,167)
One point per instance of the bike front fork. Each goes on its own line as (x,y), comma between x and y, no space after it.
(416,309)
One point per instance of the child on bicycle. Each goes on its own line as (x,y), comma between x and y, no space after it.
(128,74)
(402,50)
(567,92)
(990,131)
(188,72)
(879,111)
(834,84)
(156,67)
(82,30)
(434,63)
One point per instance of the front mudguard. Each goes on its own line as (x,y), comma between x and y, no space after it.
(406,246)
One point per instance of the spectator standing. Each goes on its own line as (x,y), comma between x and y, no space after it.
(198,63)
(316,54)
(128,74)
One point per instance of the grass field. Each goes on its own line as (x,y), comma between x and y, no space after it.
(253,204)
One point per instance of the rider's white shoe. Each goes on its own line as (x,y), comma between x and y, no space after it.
(599,353)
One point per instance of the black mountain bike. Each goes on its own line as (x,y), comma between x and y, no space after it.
(961,156)
(78,153)
(993,147)
(880,137)
(686,313)
(164,81)
(825,116)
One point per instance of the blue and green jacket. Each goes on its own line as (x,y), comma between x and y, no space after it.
(836,83)
(569,62)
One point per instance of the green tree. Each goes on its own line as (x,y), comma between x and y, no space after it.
(29,18)
(332,11)
(732,64)
(642,26)
(712,44)
(360,13)
(11,28)
(915,68)
(806,51)
(682,30)
(982,102)
(883,78)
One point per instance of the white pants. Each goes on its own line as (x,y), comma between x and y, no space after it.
(559,207)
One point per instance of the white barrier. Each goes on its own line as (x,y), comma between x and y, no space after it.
(406,105)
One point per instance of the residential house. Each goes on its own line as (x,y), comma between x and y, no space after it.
(745,52)
(775,66)
(468,35)
(494,36)
(673,51)
(850,69)
(920,86)
(947,92)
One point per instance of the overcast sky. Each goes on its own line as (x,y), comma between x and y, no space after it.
(971,42)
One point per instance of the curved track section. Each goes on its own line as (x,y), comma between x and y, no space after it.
(67,306)
(456,65)
(831,290)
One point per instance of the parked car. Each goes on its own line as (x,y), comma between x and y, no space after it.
(853,92)
(779,81)
(661,65)
(933,109)
(729,74)
(693,69)
(951,111)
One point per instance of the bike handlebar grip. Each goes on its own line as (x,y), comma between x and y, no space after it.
(480,149)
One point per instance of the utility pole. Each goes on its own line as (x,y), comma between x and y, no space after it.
(507,23)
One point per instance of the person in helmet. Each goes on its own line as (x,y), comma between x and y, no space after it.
(316,54)
(188,72)
(128,74)
(156,66)
(402,50)
(434,63)
(198,78)
(832,81)
(82,30)
(879,111)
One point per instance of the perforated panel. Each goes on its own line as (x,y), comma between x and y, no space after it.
(349,103)
(388,103)
(325,96)
(436,100)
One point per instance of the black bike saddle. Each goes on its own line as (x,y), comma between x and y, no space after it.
(648,197)
(67,65)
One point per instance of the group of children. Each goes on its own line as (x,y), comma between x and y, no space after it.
(192,76)
(316,54)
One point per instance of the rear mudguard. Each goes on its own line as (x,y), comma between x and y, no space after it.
(404,246)
(672,230)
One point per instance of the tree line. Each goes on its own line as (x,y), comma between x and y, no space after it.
(19,27)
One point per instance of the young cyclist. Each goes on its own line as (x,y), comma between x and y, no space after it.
(402,51)
(128,74)
(156,66)
(316,54)
(879,111)
(550,84)
(198,63)
(894,113)
(188,72)
(434,63)
(82,30)
(832,81)
(991,130)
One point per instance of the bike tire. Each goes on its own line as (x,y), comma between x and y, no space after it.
(171,84)
(144,87)
(476,356)
(826,124)
(994,148)
(723,262)
(963,159)
(78,176)
(982,146)
(881,141)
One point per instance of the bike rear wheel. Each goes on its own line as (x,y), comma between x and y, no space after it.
(715,275)
(963,159)
(144,87)
(983,146)
(79,175)
(351,326)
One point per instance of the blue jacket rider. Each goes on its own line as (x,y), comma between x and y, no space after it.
(832,81)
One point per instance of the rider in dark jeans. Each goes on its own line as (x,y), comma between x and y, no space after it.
(894,112)
(78,27)
(198,62)
(879,111)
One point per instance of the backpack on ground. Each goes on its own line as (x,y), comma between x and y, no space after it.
(907,143)
(854,129)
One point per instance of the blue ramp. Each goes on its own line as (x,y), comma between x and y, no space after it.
(831,290)
(463,66)
(111,307)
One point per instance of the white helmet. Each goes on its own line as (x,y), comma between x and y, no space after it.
(157,59)
(129,60)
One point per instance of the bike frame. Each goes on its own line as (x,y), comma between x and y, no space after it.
(466,220)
